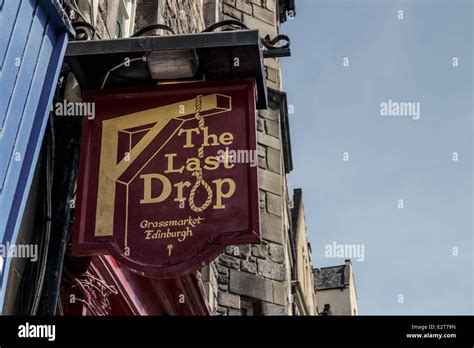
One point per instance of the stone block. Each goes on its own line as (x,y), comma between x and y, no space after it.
(226,299)
(270,269)
(222,269)
(262,201)
(269,4)
(260,124)
(269,181)
(260,250)
(221,311)
(272,74)
(248,266)
(272,227)
(269,113)
(274,160)
(222,279)
(279,293)
(261,151)
(272,309)
(272,63)
(273,128)
(244,6)
(273,85)
(264,14)
(274,204)
(234,312)
(276,252)
(229,261)
(247,284)
(232,12)
(239,251)
(263,27)
(268,140)
(262,163)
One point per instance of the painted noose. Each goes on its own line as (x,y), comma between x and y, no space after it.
(198,173)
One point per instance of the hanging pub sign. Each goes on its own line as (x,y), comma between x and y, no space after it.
(168,175)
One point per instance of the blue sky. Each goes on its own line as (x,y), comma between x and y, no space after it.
(408,251)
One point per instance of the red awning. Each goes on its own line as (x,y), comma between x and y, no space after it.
(107,287)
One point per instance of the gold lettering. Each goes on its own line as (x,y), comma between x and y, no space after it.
(226,138)
(179,190)
(208,137)
(211,162)
(189,140)
(170,168)
(193,164)
(220,194)
(147,198)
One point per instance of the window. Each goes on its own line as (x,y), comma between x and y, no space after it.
(327,310)
(249,306)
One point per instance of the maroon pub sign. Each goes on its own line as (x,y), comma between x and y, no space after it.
(168,175)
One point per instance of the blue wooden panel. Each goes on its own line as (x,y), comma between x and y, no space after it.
(13,56)
(27,117)
(8,16)
(38,37)
(20,93)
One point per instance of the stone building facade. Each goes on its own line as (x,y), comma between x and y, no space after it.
(335,290)
(302,277)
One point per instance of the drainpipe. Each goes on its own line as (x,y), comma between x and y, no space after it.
(210,12)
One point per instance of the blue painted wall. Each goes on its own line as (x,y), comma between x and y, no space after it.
(33,38)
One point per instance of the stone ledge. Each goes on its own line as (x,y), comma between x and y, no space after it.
(226,299)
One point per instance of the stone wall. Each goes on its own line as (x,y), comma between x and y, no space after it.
(184,16)
(258,276)
(261,15)
(305,299)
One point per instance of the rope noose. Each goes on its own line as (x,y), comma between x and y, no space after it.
(198,173)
